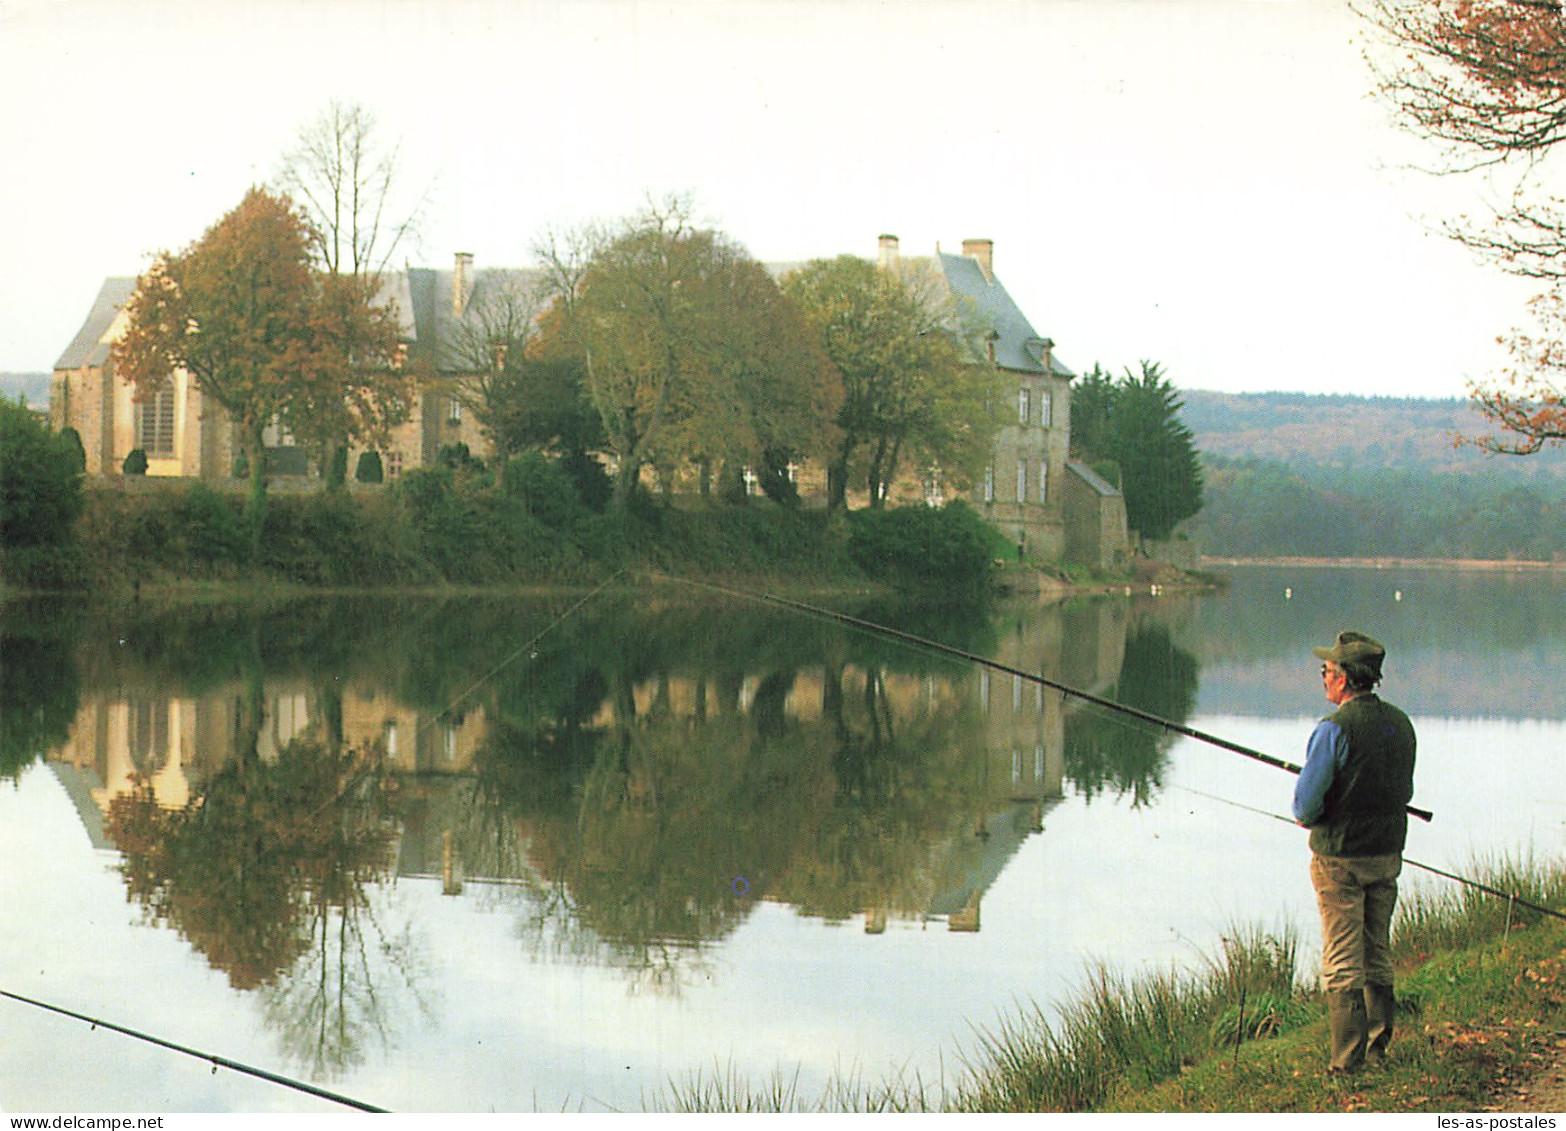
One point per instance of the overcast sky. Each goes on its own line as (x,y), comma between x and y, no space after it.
(1203,183)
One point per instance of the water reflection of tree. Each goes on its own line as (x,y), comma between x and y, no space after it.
(39,688)
(1105,750)
(265,872)
(652,833)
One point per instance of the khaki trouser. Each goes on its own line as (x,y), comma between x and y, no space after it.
(1356,895)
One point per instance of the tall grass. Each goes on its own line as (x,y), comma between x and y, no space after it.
(725,1090)
(1447,915)
(1137,1032)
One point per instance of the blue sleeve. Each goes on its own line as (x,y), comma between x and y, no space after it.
(1326,751)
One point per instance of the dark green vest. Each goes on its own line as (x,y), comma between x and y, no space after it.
(1364,813)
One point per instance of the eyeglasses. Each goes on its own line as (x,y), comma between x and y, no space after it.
(1328,669)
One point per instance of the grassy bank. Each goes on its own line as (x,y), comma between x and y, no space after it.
(1482,1005)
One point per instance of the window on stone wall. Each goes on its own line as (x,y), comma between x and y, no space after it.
(989,484)
(1043,482)
(1044,408)
(1022,405)
(454,411)
(155,422)
(1022,480)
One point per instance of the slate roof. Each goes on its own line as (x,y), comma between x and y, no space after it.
(88,347)
(1019,346)
(429,300)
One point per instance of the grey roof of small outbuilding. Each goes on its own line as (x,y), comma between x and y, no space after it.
(88,347)
(1092,478)
(1019,347)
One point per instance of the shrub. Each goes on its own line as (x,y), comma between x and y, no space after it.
(544,489)
(214,530)
(369,468)
(337,470)
(593,485)
(922,547)
(135,462)
(73,439)
(40,481)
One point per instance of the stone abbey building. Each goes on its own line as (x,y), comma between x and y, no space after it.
(1056,508)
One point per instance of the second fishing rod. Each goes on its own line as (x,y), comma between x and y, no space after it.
(995,665)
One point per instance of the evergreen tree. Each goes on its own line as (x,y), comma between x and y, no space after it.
(1161,473)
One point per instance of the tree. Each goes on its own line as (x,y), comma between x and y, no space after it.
(687,350)
(895,339)
(245,315)
(40,480)
(1161,473)
(350,384)
(518,401)
(1482,81)
(1092,398)
(346,181)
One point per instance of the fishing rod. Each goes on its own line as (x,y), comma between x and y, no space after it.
(1509,896)
(973,657)
(211,1058)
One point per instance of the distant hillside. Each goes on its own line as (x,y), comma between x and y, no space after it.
(1355,433)
(34,387)
(1291,475)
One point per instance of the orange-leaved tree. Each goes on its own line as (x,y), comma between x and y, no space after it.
(245,315)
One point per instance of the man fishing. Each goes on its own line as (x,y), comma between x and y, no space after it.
(1352,792)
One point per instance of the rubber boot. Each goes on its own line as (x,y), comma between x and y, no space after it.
(1347,1026)
(1380,1006)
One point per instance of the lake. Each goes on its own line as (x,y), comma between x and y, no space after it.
(542,854)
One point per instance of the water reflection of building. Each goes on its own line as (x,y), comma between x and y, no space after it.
(174,743)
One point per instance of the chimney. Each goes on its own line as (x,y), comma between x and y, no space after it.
(460,283)
(888,253)
(984,252)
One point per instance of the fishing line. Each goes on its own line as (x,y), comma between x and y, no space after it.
(543,632)
(972,657)
(216,1061)
(1510,897)
(260,1073)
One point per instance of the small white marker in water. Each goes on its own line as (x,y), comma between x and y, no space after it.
(1397,595)
(1288,594)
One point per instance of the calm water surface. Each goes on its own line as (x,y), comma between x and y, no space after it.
(476,855)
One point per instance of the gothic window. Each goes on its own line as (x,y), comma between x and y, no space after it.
(155,422)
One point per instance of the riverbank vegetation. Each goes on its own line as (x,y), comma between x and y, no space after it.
(535,520)
(1481,1005)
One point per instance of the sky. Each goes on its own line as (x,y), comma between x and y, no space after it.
(1202,183)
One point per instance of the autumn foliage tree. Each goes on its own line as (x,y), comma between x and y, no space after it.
(896,341)
(244,313)
(1484,81)
(347,181)
(688,351)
